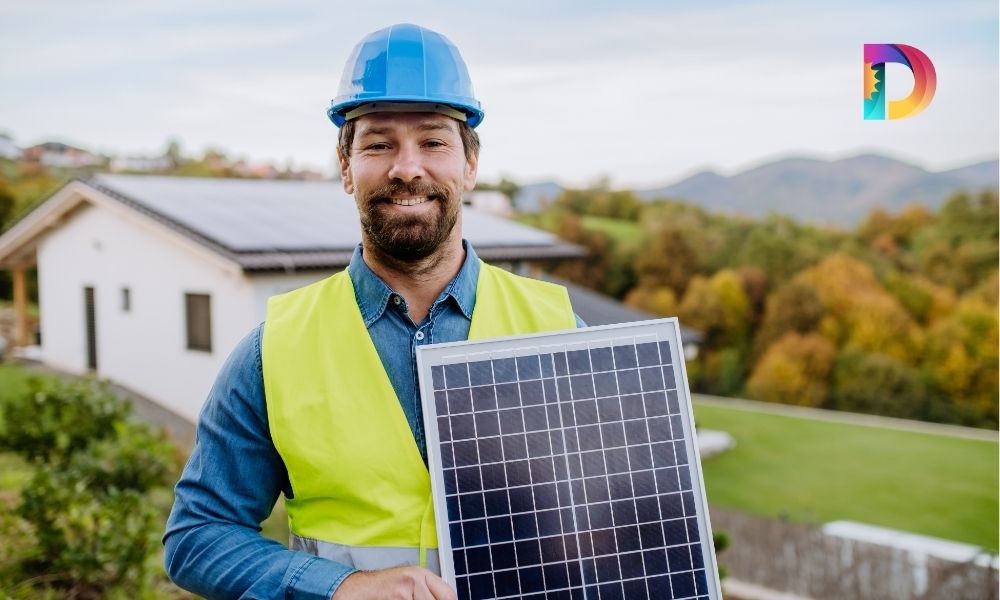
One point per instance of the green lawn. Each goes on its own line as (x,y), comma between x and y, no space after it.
(622,231)
(625,233)
(817,471)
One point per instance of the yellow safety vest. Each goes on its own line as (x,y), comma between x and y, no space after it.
(361,491)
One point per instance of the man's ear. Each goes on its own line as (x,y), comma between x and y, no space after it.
(345,171)
(471,168)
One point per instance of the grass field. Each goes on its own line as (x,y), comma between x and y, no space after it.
(626,233)
(816,471)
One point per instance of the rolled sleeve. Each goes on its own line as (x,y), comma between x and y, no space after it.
(314,578)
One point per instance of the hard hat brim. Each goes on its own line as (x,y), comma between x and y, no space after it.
(340,107)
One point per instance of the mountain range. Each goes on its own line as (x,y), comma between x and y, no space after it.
(840,192)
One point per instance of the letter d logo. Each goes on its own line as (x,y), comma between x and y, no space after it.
(924,80)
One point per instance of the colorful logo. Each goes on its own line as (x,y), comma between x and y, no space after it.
(924,81)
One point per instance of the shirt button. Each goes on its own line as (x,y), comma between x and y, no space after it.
(419,336)
(396,300)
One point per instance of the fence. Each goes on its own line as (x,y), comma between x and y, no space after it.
(803,560)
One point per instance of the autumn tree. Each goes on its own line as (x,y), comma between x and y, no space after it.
(926,301)
(590,271)
(862,313)
(668,261)
(794,307)
(794,370)
(962,356)
(660,301)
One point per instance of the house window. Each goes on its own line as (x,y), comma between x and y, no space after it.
(126,300)
(198,313)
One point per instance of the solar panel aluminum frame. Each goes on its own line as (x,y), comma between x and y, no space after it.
(635,333)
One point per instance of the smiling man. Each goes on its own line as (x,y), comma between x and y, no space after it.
(320,402)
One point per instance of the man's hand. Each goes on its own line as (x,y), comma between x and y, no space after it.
(400,583)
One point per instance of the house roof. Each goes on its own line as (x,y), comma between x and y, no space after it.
(279,225)
(597,309)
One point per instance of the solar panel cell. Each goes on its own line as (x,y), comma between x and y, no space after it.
(504,370)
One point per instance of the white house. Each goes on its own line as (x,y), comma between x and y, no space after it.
(488,201)
(151,281)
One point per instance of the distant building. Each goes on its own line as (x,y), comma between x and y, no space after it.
(142,164)
(151,281)
(494,203)
(59,155)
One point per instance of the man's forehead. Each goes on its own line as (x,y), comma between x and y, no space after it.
(388,122)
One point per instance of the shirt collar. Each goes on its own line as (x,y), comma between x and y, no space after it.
(373,294)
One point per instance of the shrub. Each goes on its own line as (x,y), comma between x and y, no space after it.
(56,419)
(87,504)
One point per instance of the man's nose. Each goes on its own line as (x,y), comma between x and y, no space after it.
(407,166)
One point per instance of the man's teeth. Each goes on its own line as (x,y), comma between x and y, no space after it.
(409,201)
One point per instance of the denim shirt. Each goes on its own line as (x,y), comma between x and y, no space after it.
(213,545)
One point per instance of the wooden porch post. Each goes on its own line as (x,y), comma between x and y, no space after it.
(20,307)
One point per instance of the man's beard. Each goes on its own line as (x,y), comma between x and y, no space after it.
(408,237)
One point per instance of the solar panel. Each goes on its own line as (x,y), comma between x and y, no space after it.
(564,466)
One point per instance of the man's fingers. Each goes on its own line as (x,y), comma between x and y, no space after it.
(440,589)
(420,589)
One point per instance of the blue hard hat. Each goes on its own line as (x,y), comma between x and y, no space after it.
(405,64)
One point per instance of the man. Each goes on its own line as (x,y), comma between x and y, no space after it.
(320,402)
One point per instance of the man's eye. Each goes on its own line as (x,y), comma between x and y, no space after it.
(434,143)
(377,146)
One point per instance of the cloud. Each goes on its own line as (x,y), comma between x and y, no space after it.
(639,90)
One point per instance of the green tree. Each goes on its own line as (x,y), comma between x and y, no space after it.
(877,384)
(670,260)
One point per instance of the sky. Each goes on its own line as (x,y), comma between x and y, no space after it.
(638,91)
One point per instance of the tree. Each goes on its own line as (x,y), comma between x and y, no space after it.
(962,356)
(924,300)
(7,203)
(794,307)
(728,286)
(755,286)
(864,314)
(660,301)
(670,260)
(794,370)
(173,153)
(878,384)
(590,271)
(703,309)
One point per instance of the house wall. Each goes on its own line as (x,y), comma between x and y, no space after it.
(144,349)
(265,286)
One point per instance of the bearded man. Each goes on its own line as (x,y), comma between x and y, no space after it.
(320,402)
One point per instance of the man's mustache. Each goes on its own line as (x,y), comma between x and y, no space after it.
(385,193)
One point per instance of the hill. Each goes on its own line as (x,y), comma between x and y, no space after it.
(837,192)
(840,192)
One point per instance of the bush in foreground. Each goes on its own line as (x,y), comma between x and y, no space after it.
(84,525)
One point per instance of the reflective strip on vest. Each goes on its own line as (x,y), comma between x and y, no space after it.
(367,558)
(357,477)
